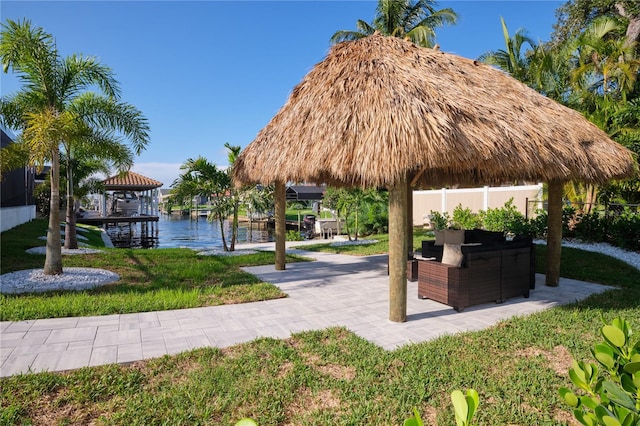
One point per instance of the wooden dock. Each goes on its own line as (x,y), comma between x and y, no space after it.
(105,221)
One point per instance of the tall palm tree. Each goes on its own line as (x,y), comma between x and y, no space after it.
(203,178)
(44,110)
(104,123)
(80,161)
(415,20)
(511,59)
(607,61)
(233,151)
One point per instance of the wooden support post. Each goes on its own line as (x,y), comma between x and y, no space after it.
(398,250)
(554,234)
(409,217)
(281,226)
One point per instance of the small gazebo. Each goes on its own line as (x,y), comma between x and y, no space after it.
(145,187)
(383,112)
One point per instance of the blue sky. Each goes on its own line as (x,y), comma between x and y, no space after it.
(209,72)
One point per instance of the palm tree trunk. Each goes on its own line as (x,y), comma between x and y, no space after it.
(70,236)
(234,225)
(224,240)
(53,258)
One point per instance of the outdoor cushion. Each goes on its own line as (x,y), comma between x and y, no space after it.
(452,254)
(454,236)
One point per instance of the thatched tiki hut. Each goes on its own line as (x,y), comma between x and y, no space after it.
(383,112)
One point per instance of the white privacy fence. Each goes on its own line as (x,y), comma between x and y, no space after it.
(10,217)
(446,200)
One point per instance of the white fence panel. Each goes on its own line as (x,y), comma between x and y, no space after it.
(446,200)
(10,217)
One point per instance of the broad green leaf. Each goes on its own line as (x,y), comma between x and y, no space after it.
(411,421)
(614,335)
(627,384)
(632,367)
(473,400)
(610,421)
(604,354)
(416,420)
(460,407)
(622,324)
(578,378)
(246,422)
(569,397)
(618,396)
(589,402)
(602,411)
(586,419)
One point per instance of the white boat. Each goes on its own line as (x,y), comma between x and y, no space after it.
(125,203)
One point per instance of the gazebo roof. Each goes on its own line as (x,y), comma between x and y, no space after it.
(130,181)
(381,109)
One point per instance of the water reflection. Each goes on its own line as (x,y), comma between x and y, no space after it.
(173,231)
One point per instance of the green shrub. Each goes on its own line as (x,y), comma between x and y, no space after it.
(505,219)
(294,236)
(609,398)
(624,230)
(591,227)
(440,220)
(375,220)
(464,218)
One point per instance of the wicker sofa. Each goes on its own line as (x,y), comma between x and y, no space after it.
(492,270)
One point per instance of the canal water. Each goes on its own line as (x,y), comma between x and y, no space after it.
(172,231)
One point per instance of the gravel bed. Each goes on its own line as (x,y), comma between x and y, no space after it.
(221,252)
(353,243)
(35,281)
(83,250)
(630,257)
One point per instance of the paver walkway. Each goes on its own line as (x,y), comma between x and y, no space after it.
(335,290)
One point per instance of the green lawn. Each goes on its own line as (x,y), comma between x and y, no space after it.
(334,377)
(150,280)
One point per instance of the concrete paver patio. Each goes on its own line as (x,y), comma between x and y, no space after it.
(334,290)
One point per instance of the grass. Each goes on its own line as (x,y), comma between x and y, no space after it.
(380,247)
(335,377)
(150,280)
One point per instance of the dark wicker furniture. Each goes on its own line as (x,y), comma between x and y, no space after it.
(490,272)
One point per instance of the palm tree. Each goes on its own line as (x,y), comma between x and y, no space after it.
(104,122)
(44,109)
(202,178)
(80,161)
(232,156)
(607,61)
(416,21)
(511,59)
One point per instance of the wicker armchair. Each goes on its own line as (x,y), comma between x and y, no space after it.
(490,272)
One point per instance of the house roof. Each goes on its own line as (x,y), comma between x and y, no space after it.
(130,181)
(304,192)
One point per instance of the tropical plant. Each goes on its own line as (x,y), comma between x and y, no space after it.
(351,204)
(464,218)
(610,397)
(512,59)
(576,15)
(234,194)
(202,178)
(54,108)
(259,201)
(465,406)
(607,64)
(416,21)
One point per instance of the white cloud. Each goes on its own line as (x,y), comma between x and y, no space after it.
(163,172)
